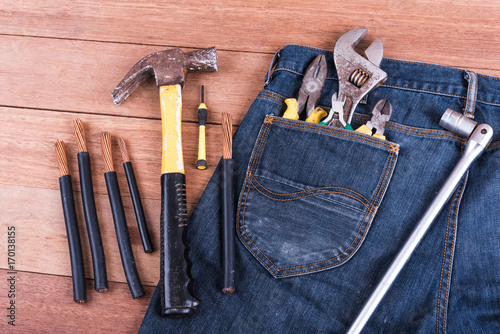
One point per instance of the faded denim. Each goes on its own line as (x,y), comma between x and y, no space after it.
(322,212)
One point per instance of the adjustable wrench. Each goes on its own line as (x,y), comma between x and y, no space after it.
(357,75)
(479,136)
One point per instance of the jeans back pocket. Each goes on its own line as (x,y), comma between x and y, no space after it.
(310,194)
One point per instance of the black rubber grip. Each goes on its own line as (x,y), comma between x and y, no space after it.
(176,284)
(228,224)
(139,210)
(94,234)
(128,262)
(201,164)
(202,116)
(75,246)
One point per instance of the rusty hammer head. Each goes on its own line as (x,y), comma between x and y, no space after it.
(168,67)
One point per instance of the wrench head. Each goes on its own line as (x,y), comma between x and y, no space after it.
(357,74)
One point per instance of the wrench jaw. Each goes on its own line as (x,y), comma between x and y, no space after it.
(357,75)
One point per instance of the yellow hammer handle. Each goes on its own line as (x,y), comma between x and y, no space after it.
(172,160)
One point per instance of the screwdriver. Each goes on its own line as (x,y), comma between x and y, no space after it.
(202,120)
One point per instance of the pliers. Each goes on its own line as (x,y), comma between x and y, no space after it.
(381,113)
(309,93)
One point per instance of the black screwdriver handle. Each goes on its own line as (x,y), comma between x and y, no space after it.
(176,284)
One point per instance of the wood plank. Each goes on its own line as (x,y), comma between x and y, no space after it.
(451,33)
(27,140)
(79,76)
(44,304)
(42,241)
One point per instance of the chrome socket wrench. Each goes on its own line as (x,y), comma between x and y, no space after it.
(479,136)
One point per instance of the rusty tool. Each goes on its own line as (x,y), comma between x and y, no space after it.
(169,67)
(309,92)
(357,75)
(381,114)
(479,136)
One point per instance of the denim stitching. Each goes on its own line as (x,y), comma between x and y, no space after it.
(384,180)
(354,240)
(312,189)
(443,263)
(301,125)
(263,135)
(451,252)
(494,145)
(271,96)
(304,196)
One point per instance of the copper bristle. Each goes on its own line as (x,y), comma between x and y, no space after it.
(61,158)
(80,135)
(106,152)
(123,150)
(227,134)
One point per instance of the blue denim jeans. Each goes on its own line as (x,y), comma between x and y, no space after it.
(322,212)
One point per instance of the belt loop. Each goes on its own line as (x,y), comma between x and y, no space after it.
(470,103)
(277,55)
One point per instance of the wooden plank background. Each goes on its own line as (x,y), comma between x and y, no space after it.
(61,60)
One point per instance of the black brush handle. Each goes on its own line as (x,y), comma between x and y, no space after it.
(139,210)
(128,262)
(75,246)
(228,224)
(95,241)
(176,284)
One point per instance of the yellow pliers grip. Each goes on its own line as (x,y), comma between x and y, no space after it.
(316,116)
(291,110)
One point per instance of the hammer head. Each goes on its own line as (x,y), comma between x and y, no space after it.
(168,67)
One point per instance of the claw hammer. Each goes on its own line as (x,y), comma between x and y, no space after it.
(479,136)
(169,67)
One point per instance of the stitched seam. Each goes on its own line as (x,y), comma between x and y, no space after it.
(309,195)
(260,146)
(315,263)
(413,130)
(467,99)
(451,256)
(269,92)
(335,131)
(256,158)
(494,145)
(346,258)
(313,189)
(389,163)
(270,98)
(382,181)
(443,263)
